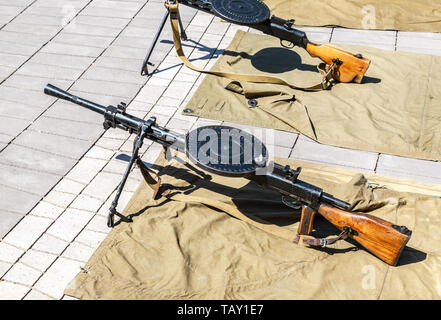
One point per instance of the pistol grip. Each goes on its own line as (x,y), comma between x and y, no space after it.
(306,221)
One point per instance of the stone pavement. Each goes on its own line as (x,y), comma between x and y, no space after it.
(60,170)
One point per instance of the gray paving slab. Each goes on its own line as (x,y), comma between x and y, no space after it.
(33,83)
(309,150)
(9,109)
(9,219)
(16,201)
(69,111)
(12,126)
(422,170)
(27,97)
(54,144)
(67,128)
(88,40)
(27,158)
(31,181)
(72,49)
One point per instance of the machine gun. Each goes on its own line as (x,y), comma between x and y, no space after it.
(227,151)
(342,66)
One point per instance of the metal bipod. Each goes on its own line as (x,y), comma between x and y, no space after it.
(144,68)
(135,156)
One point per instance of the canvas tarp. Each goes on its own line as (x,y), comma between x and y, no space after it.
(187,250)
(404,15)
(396,110)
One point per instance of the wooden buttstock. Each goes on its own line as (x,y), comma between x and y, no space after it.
(352,69)
(382,238)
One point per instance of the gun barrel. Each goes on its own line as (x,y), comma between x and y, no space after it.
(61,94)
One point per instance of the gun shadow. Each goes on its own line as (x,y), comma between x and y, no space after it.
(270,60)
(268,206)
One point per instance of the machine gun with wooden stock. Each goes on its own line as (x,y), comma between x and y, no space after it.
(231,152)
(341,65)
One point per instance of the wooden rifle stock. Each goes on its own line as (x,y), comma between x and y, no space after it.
(349,67)
(382,238)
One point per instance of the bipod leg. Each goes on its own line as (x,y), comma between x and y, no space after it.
(144,69)
(112,210)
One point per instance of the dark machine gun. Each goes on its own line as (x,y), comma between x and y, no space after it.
(343,66)
(232,152)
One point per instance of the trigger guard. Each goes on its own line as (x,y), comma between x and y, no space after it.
(290,46)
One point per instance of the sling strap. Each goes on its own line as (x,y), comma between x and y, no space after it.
(327,72)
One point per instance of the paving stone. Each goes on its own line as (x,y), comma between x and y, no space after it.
(12,291)
(13,126)
(47,210)
(78,130)
(37,259)
(124,52)
(34,83)
(22,274)
(37,160)
(38,183)
(69,224)
(36,295)
(34,19)
(32,29)
(114,22)
(8,221)
(9,253)
(99,153)
(102,185)
(11,60)
(27,231)
(90,238)
(32,41)
(73,49)
(106,74)
(109,12)
(419,42)
(15,201)
(69,111)
(308,150)
(112,88)
(27,97)
(150,94)
(55,280)
(86,170)
(99,223)
(10,109)
(50,10)
(78,251)
(86,203)
(373,38)
(61,60)
(59,199)
(5,72)
(69,186)
(96,30)
(415,169)
(4,267)
(16,48)
(76,39)
(127,64)
(54,144)
(50,244)
(31,69)
(5,138)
